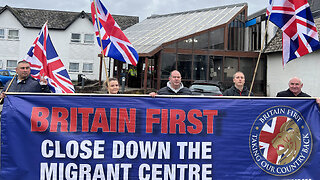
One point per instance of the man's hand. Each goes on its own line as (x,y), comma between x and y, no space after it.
(318,101)
(153,94)
(43,81)
(3,95)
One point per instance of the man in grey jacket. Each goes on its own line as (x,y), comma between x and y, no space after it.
(174,86)
(24,82)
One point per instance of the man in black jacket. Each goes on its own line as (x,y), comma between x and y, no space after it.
(238,89)
(174,86)
(24,82)
(295,86)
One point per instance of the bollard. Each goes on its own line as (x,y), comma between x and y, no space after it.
(123,84)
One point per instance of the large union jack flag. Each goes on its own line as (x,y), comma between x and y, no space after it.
(44,61)
(114,43)
(294,18)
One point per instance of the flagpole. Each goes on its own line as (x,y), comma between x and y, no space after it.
(101,46)
(258,61)
(8,86)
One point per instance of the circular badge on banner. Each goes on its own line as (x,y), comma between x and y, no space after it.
(280,141)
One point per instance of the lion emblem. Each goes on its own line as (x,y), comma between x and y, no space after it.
(287,142)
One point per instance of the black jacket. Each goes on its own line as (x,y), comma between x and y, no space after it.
(28,85)
(288,93)
(168,91)
(233,91)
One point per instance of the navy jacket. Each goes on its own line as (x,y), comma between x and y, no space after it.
(28,85)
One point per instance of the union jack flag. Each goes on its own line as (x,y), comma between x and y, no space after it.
(269,131)
(44,61)
(115,44)
(294,18)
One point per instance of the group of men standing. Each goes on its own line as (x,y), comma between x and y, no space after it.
(175,87)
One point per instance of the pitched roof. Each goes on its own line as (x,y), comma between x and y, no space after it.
(149,35)
(275,45)
(60,20)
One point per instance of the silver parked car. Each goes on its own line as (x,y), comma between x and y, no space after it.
(206,88)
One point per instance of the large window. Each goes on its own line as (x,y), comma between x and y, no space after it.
(255,36)
(217,39)
(200,66)
(185,44)
(247,66)
(11,64)
(201,41)
(215,68)
(13,34)
(184,65)
(87,67)
(168,64)
(75,37)
(74,67)
(230,68)
(236,33)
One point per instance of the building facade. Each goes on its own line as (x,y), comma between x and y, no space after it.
(205,44)
(72,35)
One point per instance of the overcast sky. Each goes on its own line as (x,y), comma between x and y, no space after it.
(141,8)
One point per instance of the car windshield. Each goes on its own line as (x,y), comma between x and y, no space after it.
(12,73)
(205,88)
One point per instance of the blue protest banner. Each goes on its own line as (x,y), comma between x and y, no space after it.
(139,137)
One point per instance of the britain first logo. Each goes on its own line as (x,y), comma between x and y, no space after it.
(280,141)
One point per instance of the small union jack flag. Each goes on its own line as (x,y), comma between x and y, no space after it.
(294,18)
(44,61)
(115,44)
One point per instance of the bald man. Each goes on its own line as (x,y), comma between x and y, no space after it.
(174,86)
(295,86)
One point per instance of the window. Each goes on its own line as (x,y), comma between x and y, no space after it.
(75,37)
(87,67)
(185,44)
(168,64)
(13,34)
(215,68)
(201,41)
(11,64)
(89,38)
(217,39)
(184,65)
(247,66)
(230,68)
(1,33)
(74,67)
(200,65)
(236,33)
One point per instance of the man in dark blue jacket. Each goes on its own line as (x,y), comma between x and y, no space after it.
(24,82)
(174,86)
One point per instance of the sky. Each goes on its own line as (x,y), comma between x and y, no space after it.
(141,8)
